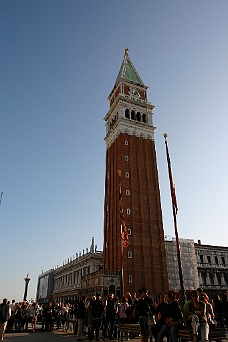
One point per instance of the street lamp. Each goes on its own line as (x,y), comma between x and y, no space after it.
(27,280)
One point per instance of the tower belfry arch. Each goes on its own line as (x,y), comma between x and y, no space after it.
(130,147)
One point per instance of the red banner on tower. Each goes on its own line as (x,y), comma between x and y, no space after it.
(124,231)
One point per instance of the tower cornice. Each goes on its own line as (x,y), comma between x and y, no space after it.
(135,128)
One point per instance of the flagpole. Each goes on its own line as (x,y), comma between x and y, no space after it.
(174,207)
(1,198)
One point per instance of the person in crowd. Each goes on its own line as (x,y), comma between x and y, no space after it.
(18,317)
(116,317)
(25,316)
(63,315)
(130,311)
(161,312)
(75,312)
(97,312)
(173,319)
(81,316)
(12,311)
(47,312)
(53,307)
(143,309)
(89,320)
(4,317)
(196,315)
(129,298)
(104,326)
(57,316)
(209,310)
(199,291)
(109,321)
(134,297)
(33,313)
(151,303)
(122,313)
(219,311)
(122,310)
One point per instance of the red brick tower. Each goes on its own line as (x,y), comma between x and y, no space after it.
(130,148)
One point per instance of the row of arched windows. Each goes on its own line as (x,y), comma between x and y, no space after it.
(133,115)
(211,277)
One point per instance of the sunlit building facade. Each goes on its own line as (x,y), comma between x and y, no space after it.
(212,264)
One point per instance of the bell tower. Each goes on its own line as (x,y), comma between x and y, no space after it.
(130,147)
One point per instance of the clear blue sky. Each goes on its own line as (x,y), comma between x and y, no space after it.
(58,63)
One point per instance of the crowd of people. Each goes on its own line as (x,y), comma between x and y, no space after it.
(95,318)
(17,316)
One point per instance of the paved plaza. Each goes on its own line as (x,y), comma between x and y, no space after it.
(58,335)
(41,336)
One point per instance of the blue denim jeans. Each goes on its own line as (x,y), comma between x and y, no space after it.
(143,321)
(204,328)
(165,331)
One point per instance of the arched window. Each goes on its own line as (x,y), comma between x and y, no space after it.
(219,276)
(126,158)
(112,289)
(126,142)
(133,115)
(130,278)
(127,113)
(128,211)
(129,231)
(204,278)
(127,175)
(138,116)
(129,255)
(128,192)
(211,276)
(144,118)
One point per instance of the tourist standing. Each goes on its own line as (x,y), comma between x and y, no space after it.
(97,312)
(143,309)
(81,315)
(4,317)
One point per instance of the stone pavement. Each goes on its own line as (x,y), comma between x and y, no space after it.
(41,336)
(49,336)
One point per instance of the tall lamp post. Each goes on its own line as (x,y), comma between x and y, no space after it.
(27,280)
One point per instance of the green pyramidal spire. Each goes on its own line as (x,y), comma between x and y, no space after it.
(128,71)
